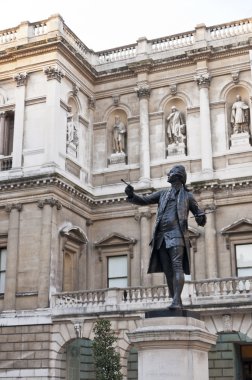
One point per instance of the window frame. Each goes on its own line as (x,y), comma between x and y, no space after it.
(237,268)
(127,277)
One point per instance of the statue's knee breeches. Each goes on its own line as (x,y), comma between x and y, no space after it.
(176,257)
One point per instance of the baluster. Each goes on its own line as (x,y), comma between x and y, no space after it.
(224,288)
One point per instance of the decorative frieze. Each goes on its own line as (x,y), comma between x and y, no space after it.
(51,202)
(54,73)
(203,80)
(21,79)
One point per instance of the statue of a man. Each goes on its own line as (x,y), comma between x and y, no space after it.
(175,126)
(119,131)
(240,116)
(170,243)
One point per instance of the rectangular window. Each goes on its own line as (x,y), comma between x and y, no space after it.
(243,259)
(117,271)
(3,254)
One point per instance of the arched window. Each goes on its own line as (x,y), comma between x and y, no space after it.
(73,247)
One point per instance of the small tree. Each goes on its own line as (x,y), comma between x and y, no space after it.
(107,360)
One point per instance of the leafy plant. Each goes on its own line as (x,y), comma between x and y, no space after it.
(107,360)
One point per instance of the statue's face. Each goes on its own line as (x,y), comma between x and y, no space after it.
(174,175)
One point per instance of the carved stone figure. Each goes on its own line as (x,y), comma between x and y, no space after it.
(119,132)
(170,243)
(72,138)
(240,116)
(176,128)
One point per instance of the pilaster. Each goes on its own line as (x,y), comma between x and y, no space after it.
(2,137)
(203,82)
(14,210)
(91,106)
(17,159)
(53,123)
(47,247)
(143,216)
(143,93)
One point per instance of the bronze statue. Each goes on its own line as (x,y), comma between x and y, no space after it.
(170,243)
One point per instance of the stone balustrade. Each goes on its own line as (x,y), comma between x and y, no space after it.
(5,163)
(54,27)
(173,42)
(118,54)
(231,29)
(205,293)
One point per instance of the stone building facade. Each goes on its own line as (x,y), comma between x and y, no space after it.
(74,122)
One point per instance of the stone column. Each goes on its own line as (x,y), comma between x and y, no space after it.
(48,234)
(12,256)
(17,156)
(2,137)
(144,217)
(91,106)
(172,348)
(203,82)
(143,92)
(211,244)
(52,121)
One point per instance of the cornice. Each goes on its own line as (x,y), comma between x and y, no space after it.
(220,185)
(25,184)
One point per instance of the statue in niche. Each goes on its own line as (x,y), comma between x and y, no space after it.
(240,116)
(72,139)
(119,132)
(176,127)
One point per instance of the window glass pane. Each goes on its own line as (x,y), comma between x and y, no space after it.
(118,283)
(117,267)
(244,255)
(2,282)
(3,252)
(244,272)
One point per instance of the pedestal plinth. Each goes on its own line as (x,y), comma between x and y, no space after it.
(172,348)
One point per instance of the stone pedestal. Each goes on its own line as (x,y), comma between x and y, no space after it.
(176,149)
(172,348)
(239,141)
(117,158)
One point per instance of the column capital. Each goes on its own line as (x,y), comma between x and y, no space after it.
(54,72)
(143,91)
(142,214)
(49,201)
(21,79)
(203,80)
(13,206)
(91,102)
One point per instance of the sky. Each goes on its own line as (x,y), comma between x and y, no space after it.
(105,24)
